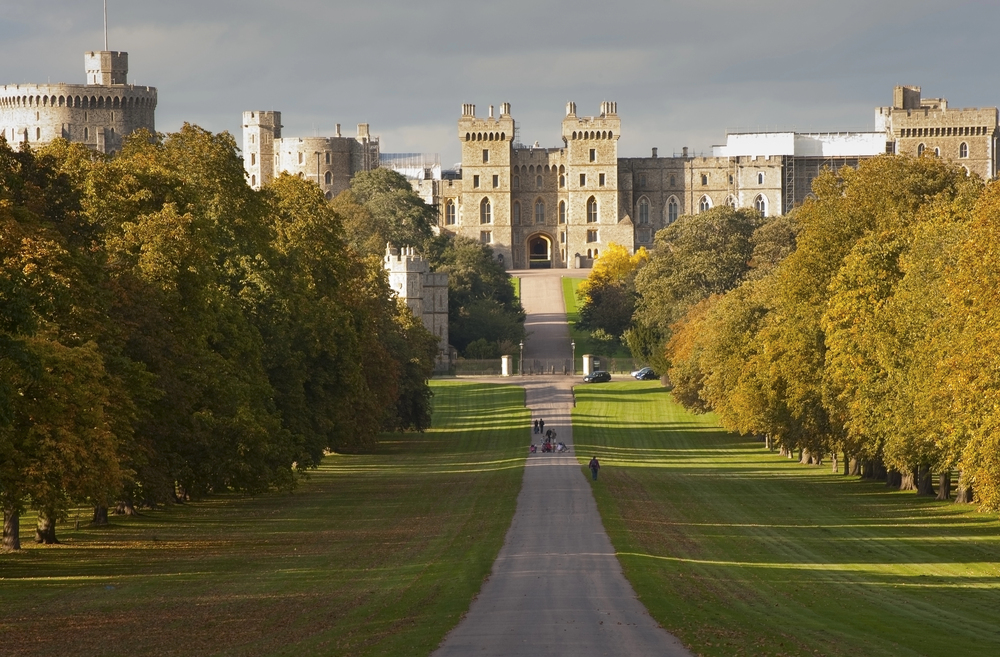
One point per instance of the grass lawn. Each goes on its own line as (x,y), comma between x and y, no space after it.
(516,282)
(375,554)
(584,343)
(738,551)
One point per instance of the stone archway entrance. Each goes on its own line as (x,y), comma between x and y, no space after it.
(539,252)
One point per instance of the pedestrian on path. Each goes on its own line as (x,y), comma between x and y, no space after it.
(541,425)
(536,426)
(594,467)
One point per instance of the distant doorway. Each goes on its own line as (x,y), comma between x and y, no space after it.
(540,252)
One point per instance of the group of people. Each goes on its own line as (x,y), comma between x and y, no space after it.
(550,445)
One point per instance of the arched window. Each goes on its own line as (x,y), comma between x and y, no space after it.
(760,178)
(516,213)
(704,204)
(643,211)
(449,213)
(963,150)
(328,178)
(538,182)
(704,179)
(562,212)
(920,150)
(673,210)
(485,212)
(516,183)
(329,196)
(562,181)
(760,204)
(38,133)
(731,201)
(539,212)
(253,181)
(591,210)
(937,152)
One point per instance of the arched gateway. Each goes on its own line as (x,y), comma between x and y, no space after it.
(540,252)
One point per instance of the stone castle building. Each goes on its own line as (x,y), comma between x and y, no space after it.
(425,293)
(99,114)
(559,207)
(329,161)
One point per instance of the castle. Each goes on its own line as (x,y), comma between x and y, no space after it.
(99,114)
(425,293)
(330,161)
(559,207)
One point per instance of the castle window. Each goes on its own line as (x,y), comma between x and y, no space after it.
(760,178)
(328,178)
(253,181)
(475,181)
(937,152)
(328,158)
(562,181)
(86,133)
(730,179)
(593,154)
(253,159)
(38,133)
(300,158)
(539,212)
(562,212)
(643,211)
(562,236)
(485,212)
(600,180)
(449,213)
(963,150)
(704,179)
(642,180)
(252,139)
(920,150)
(591,210)
(329,196)
(730,201)
(496,181)
(760,204)
(516,183)
(538,182)
(583,180)
(486,236)
(704,204)
(591,236)
(517,213)
(486,155)
(673,210)
(673,180)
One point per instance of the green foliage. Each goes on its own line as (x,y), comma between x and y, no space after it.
(481,299)
(381,207)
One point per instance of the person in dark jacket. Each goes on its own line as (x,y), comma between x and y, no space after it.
(594,467)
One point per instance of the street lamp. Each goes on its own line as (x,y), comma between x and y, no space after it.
(520,365)
(572,345)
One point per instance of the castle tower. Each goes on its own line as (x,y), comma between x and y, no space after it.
(424,292)
(106,67)
(592,183)
(260,131)
(484,202)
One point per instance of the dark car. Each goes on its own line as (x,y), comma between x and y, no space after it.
(599,376)
(645,374)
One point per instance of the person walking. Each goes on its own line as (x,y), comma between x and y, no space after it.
(594,467)
(536,426)
(541,425)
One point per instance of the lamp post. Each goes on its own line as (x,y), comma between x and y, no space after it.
(572,345)
(520,365)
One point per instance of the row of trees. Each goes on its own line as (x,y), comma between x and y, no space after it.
(167,332)
(864,326)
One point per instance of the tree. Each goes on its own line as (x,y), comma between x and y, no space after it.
(381,207)
(608,294)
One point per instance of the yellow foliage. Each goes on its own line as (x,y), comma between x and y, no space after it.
(613,266)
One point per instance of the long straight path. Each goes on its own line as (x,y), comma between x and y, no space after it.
(556,587)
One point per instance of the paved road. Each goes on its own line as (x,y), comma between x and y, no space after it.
(556,587)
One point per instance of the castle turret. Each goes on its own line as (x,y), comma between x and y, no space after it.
(260,131)
(106,67)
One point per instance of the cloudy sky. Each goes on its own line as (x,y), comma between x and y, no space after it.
(682,72)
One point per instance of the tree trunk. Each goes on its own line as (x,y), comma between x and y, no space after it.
(893,479)
(11,530)
(804,457)
(100,515)
(881,473)
(818,458)
(908,481)
(853,465)
(867,469)
(126,508)
(944,486)
(964,493)
(768,442)
(46,530)
(925,483)
(833,459)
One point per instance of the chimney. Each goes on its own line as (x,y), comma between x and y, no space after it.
(491,111)
(654,151)
(338,130)
(684,151)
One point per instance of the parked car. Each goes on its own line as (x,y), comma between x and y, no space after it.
(600,376)
(645,374)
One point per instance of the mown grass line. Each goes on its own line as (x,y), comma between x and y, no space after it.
(376,554)
(738,551)
(516,282)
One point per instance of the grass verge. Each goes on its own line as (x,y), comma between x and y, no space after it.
(374,554)
(737,551)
